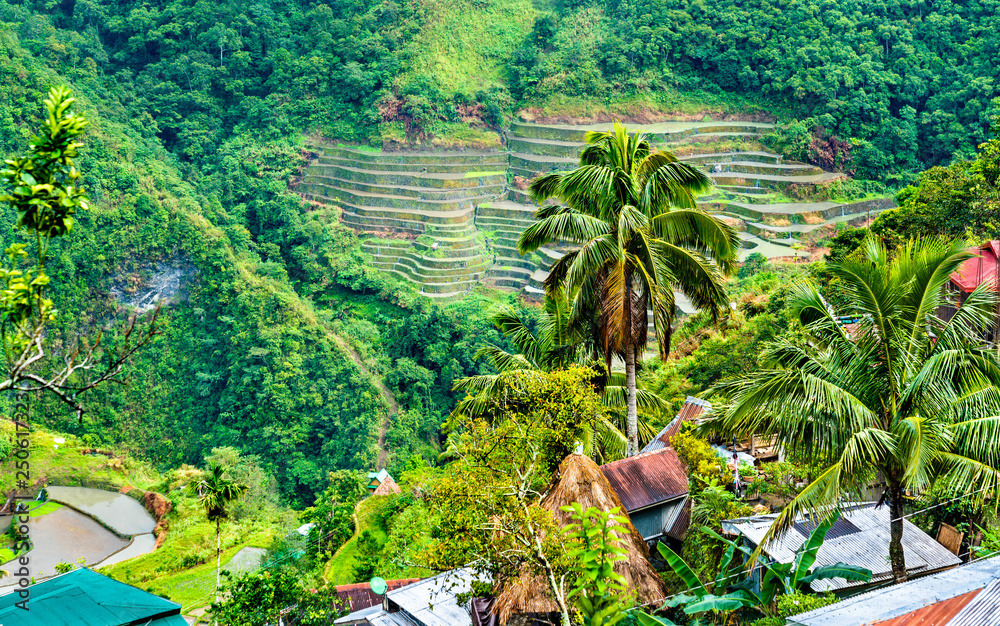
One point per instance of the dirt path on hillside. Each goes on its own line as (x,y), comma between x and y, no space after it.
(390,399)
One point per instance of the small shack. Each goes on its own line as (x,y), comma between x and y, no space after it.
(860,537)
(377,479)
(360,595)
(83,596)
(692,410)
(964,596)
(653,487)
(580,480)
(428,602)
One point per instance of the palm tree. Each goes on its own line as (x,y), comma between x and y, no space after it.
(215,492)
(903,396)
(554,345)
(632,212)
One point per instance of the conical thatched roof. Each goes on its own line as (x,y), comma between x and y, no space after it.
(580,480)
(387,487)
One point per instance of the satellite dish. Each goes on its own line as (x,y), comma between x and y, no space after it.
(379,586)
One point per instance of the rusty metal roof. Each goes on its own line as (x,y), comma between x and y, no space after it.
(940,598)
(869,547)
(360,596)
(984,610)
(680,528)
(427,602)
(937,614)
(647,479)
(691,409)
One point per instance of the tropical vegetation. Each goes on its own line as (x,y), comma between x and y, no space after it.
(631,211)
(216,493)
(900,396)
(556,344)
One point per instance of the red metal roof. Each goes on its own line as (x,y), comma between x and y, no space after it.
(647,479)
(937,614)
(691,409)
(360,596)
(982,268)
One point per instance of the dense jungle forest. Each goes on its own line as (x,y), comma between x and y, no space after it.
(287,364)
(282,341)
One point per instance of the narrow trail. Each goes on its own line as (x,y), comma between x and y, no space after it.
(390,399)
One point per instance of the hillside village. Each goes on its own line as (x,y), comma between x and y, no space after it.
(499,312)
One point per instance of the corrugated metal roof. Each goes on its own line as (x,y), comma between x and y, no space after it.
(429,602)
(647,478)
(691,409)
(900,600)
(937,614)
(85,598)
(360,616)
(391,619)
(868,548)
(432,601)
(679,530)
(984,610)
(360,596)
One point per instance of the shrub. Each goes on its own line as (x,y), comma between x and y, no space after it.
(795,603)
(699,457)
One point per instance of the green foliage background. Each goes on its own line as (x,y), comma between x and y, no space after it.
(199,112)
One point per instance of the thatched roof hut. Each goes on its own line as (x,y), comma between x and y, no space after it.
(580,480)
(387,487)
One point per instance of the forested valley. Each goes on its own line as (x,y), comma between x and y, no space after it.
(282,353)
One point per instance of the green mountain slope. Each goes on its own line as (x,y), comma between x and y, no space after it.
(199,113)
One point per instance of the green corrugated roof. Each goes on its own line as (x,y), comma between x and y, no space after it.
(85,598)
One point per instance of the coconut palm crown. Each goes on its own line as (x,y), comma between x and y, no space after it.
(631,211)
(899,400)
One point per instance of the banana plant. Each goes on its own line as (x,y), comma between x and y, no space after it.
(733,588)
(798,575)
(780,578)
(718,595)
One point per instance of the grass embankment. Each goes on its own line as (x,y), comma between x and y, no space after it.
(653,106)
(340,568)
(464,44)
(65,464)
(183,569)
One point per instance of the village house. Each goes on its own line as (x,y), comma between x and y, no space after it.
(380,483)
(653,488)
(964,596)
(860,537)
(982,269)
(83,596)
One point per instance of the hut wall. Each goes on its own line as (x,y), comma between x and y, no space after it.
(655,521)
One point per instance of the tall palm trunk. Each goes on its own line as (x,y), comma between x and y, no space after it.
(218,555)
(630,401)
(896,555)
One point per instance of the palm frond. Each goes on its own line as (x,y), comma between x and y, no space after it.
(665,182)
(504,361)
(816,501)
(696,229)
(920,440)
(567,225)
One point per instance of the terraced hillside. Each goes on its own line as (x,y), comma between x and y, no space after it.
(423,204)
(449,220)
(749,179)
